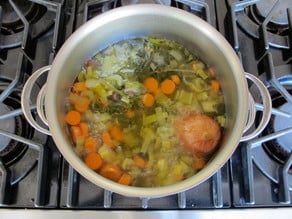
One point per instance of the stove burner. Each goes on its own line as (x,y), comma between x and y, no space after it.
(279,149)
(6,124)
(281,123)
(250,17)
(279,17)
(11,150)
(11,23)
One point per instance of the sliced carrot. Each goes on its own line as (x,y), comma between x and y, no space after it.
(75,132)
(111,171)
(93,161)
(215,85)
(148,100)
(151,84)
(107,139)
(90,144)
(175,79)
(73,117)
(116,133)
(139,161)
(84,128)
(82,105)
(199,163)
(167,86)
(130,114)
(125,179)
(79,86)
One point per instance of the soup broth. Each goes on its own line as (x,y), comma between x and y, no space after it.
(146,112)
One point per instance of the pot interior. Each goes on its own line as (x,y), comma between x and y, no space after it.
(138,21)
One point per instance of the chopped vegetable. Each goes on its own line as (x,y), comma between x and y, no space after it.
(125,179)
(93,161)
(148,100)
(151,84)
(175,79)
(139,161)
(111,171)
(215,85)
(116,133)
(167,86)
(90,144)
(107,139)
(73,117)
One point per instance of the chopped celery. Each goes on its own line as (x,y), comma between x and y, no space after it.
(149,119)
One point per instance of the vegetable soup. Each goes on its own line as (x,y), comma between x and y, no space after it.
(146,112)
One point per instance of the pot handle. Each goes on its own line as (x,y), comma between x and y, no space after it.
(267,109)
(26,101)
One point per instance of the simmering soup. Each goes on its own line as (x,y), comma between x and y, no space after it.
(146,112)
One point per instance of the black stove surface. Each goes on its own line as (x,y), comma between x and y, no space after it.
(33,174)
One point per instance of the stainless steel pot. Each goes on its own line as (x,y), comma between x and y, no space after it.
(144,20)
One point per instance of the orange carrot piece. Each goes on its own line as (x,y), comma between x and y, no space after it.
(175,79)
(130,114)
(75,132)
(167,86)
(148,100)
(111,171)
(90,144)
(84,128)
(125,179)
(116,133)
(82,105)
(93,161)
(139,161)
(199,163)
(73,117)
(79,86)
(215,85)
(107,139)
(151,84)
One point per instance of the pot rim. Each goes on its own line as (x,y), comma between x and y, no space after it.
(217,162)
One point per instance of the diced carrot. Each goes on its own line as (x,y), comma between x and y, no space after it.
(167,86)
(139,161)
(116,133)
(130,114)
(93,161)
(75,132)
(82,105)
(73,117)
(215,85)
(175,79)
(107,139)
(199,163)
(148,100)
(84,128)
(90,144)
(111,171)
(79,86)
(125,179)
(151,84)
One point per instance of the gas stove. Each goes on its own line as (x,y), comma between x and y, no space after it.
(34,175)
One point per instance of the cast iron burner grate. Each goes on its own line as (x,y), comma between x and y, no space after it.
(10,150)
(280,148)
(273,15)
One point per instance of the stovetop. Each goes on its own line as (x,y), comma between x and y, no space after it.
(34,175)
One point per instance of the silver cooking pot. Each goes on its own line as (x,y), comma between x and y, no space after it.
(147,20)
